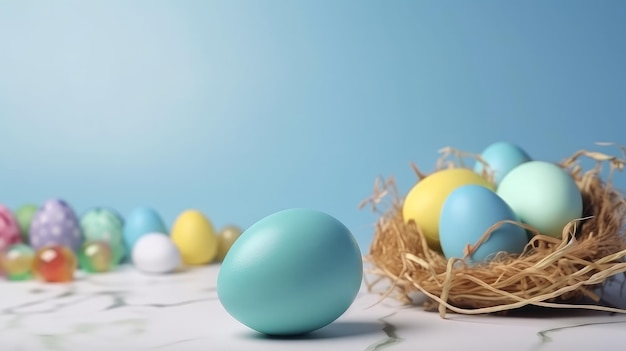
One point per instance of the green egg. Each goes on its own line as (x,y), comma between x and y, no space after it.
(103,224)
(24,216)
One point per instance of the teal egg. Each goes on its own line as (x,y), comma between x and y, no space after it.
(104,224)
(140,221)
(467,214)
(291,273)
(502,157)
(543,195)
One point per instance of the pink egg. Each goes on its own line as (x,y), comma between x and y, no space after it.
(9,229)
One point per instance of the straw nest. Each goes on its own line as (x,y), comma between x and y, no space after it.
(551,272)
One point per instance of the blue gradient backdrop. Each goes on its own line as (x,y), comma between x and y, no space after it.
(244,108)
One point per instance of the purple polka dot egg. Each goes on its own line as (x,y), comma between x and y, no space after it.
(55,223)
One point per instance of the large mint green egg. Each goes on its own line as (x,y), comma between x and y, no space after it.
(291,273)
(543,195)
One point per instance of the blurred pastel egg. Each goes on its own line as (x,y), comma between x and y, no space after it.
(96,256)
(156,253)
(543,195)
(54,264)
(140,221)
(292,272)
(501,157)
(55,223)
(225,240)
(9,229)
(17,261)
(466,215)
(195,237)
(104,224)
(423,202)
(24,215)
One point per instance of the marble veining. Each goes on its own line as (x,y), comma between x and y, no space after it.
(545,335)
(128,310)
(390,331)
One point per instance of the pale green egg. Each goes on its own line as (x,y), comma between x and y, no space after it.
(543,195)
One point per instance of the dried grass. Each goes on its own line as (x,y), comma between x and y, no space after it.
(551,272)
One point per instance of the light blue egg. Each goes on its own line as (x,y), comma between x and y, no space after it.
(140,221)
(501,157)
(466,215)
(291,273)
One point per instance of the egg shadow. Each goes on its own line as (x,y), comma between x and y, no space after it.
(335,330)
(533,312)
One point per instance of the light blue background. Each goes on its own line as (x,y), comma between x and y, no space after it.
(244,108)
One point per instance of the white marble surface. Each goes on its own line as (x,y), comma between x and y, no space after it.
(127,310)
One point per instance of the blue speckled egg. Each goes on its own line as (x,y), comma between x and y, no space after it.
(140,221)
(466,215)
(501,157)
(291,273)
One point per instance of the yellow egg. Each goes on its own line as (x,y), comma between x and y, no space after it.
(424,201)
(195,238)
(226,239)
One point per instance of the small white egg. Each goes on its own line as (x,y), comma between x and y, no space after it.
(156,253)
